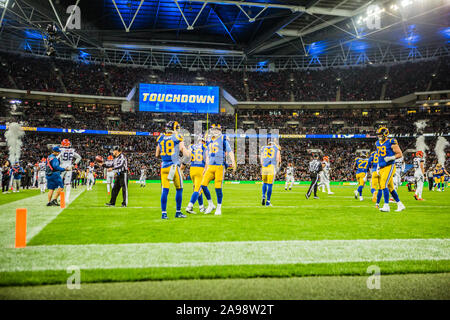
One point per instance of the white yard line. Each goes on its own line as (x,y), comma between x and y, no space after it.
(59,257)
(38,216)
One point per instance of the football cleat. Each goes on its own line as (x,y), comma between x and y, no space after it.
(218,212)
(190,210)
(416,197)
(164,216)
(180,215)
(361,198)
(202,209)
(330,192)
(356,194)
(391,200)
(306,196)
(109,204)
(210,209)
(263,202)
(316,197)
(420,199)
(268,204)
(385,208)
(377,206)
(400,207)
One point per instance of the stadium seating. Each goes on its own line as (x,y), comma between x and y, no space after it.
(343,84)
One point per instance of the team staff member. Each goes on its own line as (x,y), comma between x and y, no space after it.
(121,168)
(430,177)
(54,180)
(5,176)
(315,166)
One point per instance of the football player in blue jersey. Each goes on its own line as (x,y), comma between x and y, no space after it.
(388,150)
(168,148)
(361,165)
(375,180)
(199,157)
(270,162)
(219,150)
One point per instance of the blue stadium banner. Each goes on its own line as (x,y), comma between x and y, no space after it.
(178,98)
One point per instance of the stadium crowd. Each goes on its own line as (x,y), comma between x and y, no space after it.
(344,84)
(304,121)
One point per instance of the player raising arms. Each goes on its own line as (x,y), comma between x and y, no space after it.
(388,151)
(219,150)
(270,161)
(289,175)
(169,146)
(419,174)
(361,165)
(66,157)
(199,157)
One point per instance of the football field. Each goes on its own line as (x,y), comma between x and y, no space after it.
(326,244)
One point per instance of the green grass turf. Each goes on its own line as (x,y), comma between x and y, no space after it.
(411,286)
(26,278)
(14,196)
(338,216)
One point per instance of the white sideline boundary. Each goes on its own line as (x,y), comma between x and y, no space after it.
(193,254)
(38,216)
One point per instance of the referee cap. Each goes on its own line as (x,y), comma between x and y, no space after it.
(56,149)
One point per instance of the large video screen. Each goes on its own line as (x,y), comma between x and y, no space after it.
(178,98)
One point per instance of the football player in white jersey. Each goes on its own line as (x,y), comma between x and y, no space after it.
(324,175)
(289,176)
(41,175)
(90,175)
(419,174)
(143,177)
(109,163)
(65,158)
(399,168)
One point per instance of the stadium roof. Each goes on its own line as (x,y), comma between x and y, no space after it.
(230,27)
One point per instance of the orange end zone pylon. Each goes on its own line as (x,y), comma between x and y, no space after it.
(63,200)
(21,228)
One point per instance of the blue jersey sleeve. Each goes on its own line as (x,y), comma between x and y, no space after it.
(55,165)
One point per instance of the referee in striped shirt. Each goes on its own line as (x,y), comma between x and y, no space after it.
(120,167)
(315,166)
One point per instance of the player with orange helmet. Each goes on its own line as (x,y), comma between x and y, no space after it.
(324,175)
(66,158)
(90,176)
(419,174)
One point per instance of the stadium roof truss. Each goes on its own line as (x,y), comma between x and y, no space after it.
(253,35)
